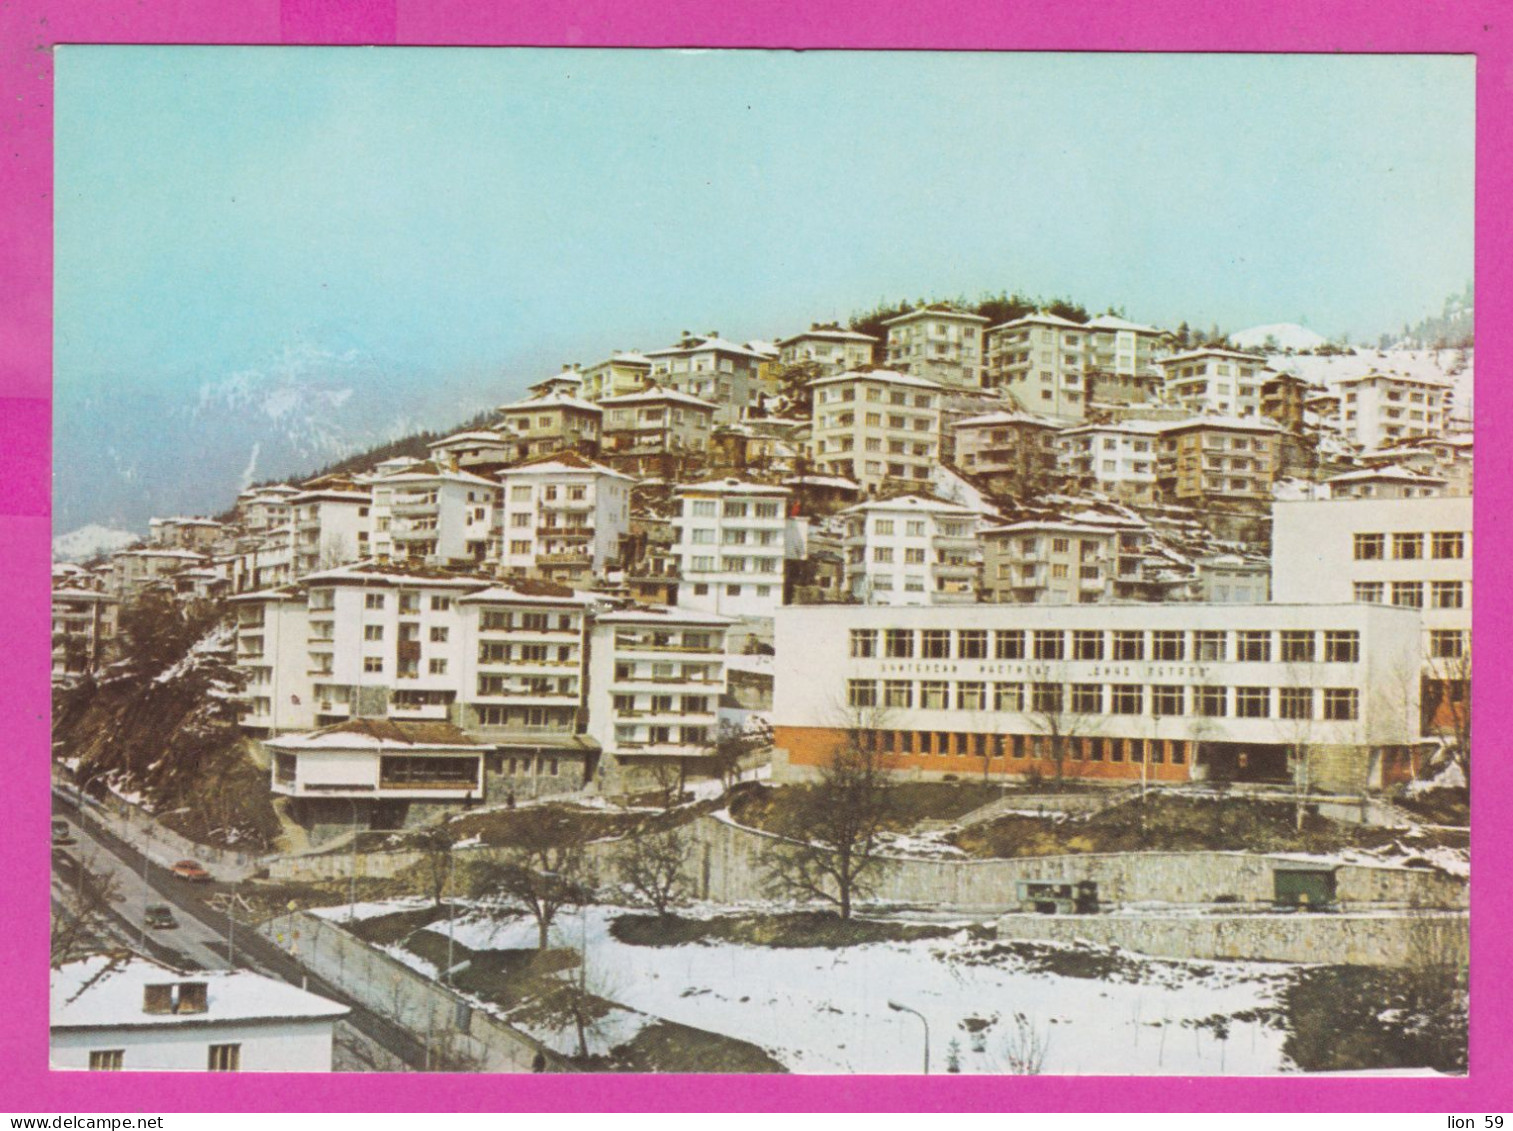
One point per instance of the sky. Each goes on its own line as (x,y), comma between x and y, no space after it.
(470,217)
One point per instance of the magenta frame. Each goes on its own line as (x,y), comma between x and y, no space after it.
(29,27)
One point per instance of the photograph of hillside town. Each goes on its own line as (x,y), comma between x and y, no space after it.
(1031,636)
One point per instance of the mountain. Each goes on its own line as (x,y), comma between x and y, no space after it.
(89,541)
(1278,336)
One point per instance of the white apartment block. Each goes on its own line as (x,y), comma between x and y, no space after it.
(563,518)
(131,571)
(379,761)
(1126,349)
(1121,460)
(469,451)
(656,676)
(621,373)
(263,508)
(118,1013)
(711,369)
(1169,692)
(938,344)
(1411,553)
(911,551)
(731,547)
(332,526)
(185,533)
(84,626)
(831,348)
(1043,361)
(1215,381)
(1384,483)
(549,423)
(427,514)
(656,422)
(1054,562)
(877,427)
(1384,408)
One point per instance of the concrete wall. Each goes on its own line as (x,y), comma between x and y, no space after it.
(1374,940)
(404,995)
(164,847)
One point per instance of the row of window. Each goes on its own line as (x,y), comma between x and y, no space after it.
(1041,746)
(633,736)
(705,536)
(1409,546)
(1306,646)
(705,563)
(1340,704)
(1410,594)
(708,508)
(221,1058)
(875,395)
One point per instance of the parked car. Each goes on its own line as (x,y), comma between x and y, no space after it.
(190,870)
(160,916)
(63,833)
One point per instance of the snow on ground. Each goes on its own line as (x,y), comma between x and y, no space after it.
(339,912)
(826,1010)
(1328,370)
(1283,335)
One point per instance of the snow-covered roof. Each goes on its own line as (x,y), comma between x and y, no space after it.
(823,481)
(351,494)
(730,487)
(1394,474)
(378,734)
(1403,378)
(109,992)
(1004,417)
(935,310)
(1209,351)
(1114,322)
(766,349)
(663,614)
(645,396)
(830,334)
(1128,427)
(562,463)
(557,399)
(510,594)
(81,595)
(158,552)
(364,573)
(1038,526)
(885,376)
(626,357)
(1226,423)
(427,472)
(707,344)
(1040,318)
(464,439)
(910,503)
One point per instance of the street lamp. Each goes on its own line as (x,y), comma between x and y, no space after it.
(352,871)
(893,1005)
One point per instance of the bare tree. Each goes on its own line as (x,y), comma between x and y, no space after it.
(1025,1048)
(670,775)
(836,825)
(1449,711)
(651,867)
(82,918)
(1055,716)
(735,746)
(544,874)
(435,846)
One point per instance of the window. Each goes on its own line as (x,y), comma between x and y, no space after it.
(440,604)
(935,644)
(1129,645)
(225,1058)
(1047,698)
(1297,646)
(1167,701)
(439,634)
(1446,594)
(933,694)
(106,1060)
(1370,547)
(1209,645)
(861,693)
(1253,702)
(1128,699)
(373,663)
(1008,697)
(1213,702)
(1008,644)
(1050,644)
(1369,592)
(898,693)
(1341,704)
(1342,647)
(1447,644)
(972,644)
(374,601)
(1167,645)
(1407,546)
(1295,702)
(898,643)
(1253,647)
(1408,594)
(1087,645)
(883,526)
(1087,698)
(914,556)
(864,643)
(373,632)
(1448,544)
(883,554)
(971,696)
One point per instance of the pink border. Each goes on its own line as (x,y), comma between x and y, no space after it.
(29,27)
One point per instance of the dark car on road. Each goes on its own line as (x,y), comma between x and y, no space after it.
(160,916)
(63,833)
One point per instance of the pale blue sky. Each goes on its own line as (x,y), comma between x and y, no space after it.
(484,215)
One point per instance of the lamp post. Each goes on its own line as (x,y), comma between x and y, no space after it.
(146,844)
(352,870)
(893,1005)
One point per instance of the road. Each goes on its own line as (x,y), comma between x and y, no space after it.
(206,938)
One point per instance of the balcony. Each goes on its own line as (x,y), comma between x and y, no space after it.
(412,506)
(584,560)
(564,532)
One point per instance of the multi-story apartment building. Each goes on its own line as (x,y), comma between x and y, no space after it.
(1284,399)
(1170,692)
(1058,562)
(656,676)
(1043,361)
(264,508)
(199,534)
(131,571)
(1224,579)
(549,423)
(1121,460)
(911,551)
(481,452)
(569,381)
(641,428)
(84,628)
(723,373)
(1391,482)
(938,343)
(619,374)
(332,526)
(1448,458)
(1217,381)
(1015,451)
(1219,459)
(732,547)
(1381,408)
(433,515)
(876,427)
(831,347)
(1120,348)
(563,518)
(1411,553)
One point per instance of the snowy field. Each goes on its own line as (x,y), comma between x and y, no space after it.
(822,1010)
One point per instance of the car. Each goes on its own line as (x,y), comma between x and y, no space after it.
(63,833)
(160,916)
(190,870)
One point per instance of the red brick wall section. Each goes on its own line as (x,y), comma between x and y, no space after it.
(813,746)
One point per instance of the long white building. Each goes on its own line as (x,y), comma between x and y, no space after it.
(433,515)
